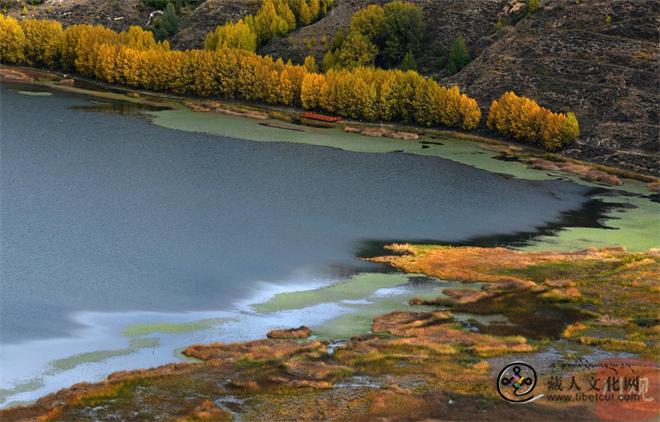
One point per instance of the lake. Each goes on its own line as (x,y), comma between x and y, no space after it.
(108,220)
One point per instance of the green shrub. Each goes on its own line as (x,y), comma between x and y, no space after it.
(408,62)
(167,25)
(458,55)
(533,5)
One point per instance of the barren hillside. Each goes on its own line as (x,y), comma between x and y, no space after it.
(598,58)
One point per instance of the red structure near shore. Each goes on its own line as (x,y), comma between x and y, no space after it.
(319,117)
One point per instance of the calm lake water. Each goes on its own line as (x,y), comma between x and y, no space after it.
(109,213)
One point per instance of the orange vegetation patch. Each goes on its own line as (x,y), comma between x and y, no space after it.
(217,107)
(473,264)
(435,327)
(255,350)
(300,332)
(586,171)
(207,411)
(381,132)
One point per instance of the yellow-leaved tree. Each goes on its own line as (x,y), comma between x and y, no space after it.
(43,41)
(232,35)
(310,92)
(523,119)
(136,59)
(13,40)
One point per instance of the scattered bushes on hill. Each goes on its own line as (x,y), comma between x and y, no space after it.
(533,5)
(162,4)
(387,36)
(401,33)
(166,25)
(458,55)
(274,18)
(523,119)
(232,35)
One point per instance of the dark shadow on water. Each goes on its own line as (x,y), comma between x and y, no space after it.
(592,214)
(116,107)
(281,126)
(505,157)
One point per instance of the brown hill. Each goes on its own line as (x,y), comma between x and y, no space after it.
(597,58)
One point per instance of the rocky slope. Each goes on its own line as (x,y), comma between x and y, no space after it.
(206,17)
(115,14)
(598,58)
(195,23)
(444,21)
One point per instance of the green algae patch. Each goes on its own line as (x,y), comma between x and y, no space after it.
(345,326)
(24,387)
(90,357)
(71,362)
(36,93)
(357,287)
(359,317)
(358,320)
(267,131)
(459,150)
(172,327)
(637,229)
(144,343)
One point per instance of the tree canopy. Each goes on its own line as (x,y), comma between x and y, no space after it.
(392,32)
(458,55)
(523,119)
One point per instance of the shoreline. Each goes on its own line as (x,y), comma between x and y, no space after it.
(262,370)
(509,149)
(193,322)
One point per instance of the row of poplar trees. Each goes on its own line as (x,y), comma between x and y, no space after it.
(136,59)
